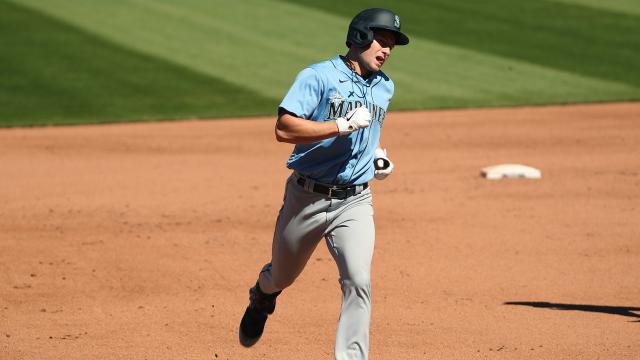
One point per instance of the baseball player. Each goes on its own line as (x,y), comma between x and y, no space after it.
(333,113)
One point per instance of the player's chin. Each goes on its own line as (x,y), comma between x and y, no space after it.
(376,66)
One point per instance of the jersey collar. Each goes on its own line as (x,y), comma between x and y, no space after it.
(340,65)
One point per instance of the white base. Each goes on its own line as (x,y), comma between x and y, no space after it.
(496,172)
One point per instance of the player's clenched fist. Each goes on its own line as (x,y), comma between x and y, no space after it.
(355,119)
(383,166)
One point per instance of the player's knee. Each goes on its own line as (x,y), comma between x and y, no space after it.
(359,280)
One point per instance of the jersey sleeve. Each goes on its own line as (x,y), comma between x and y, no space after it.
(305,94)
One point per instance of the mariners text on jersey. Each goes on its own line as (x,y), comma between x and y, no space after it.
(339,107)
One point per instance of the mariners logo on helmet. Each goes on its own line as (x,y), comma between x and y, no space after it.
(396,21)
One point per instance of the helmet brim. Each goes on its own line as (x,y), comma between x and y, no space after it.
(401,38)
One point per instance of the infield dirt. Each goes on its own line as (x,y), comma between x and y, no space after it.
(140,241)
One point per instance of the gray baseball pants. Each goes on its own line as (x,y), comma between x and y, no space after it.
(348,228)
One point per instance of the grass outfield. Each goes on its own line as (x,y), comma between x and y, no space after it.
(56,74)
(77,61)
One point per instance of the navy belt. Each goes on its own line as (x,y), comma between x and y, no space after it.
(334,191)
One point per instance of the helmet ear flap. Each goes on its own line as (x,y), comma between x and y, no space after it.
(359,38)
(367,37)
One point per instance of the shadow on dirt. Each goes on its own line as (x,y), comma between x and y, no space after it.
(614,310)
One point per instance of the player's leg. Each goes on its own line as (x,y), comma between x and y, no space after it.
(351,239)
(300,225)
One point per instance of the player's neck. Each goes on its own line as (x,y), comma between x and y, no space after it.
(351,60)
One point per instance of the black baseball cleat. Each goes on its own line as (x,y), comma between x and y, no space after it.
(261,305)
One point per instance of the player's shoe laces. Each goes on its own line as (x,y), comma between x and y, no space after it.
(261,305)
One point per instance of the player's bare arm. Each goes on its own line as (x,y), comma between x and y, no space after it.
(294,130)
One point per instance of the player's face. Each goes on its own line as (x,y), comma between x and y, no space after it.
(375,56)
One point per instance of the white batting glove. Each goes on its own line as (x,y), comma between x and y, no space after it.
(358,118)
(384,166)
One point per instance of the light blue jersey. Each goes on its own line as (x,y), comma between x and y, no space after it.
(324,92)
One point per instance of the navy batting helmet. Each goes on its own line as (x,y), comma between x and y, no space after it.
(362,26)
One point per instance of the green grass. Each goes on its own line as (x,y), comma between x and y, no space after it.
(567,37)
(508,53)
(621,6)
(75,61)
(53,73)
